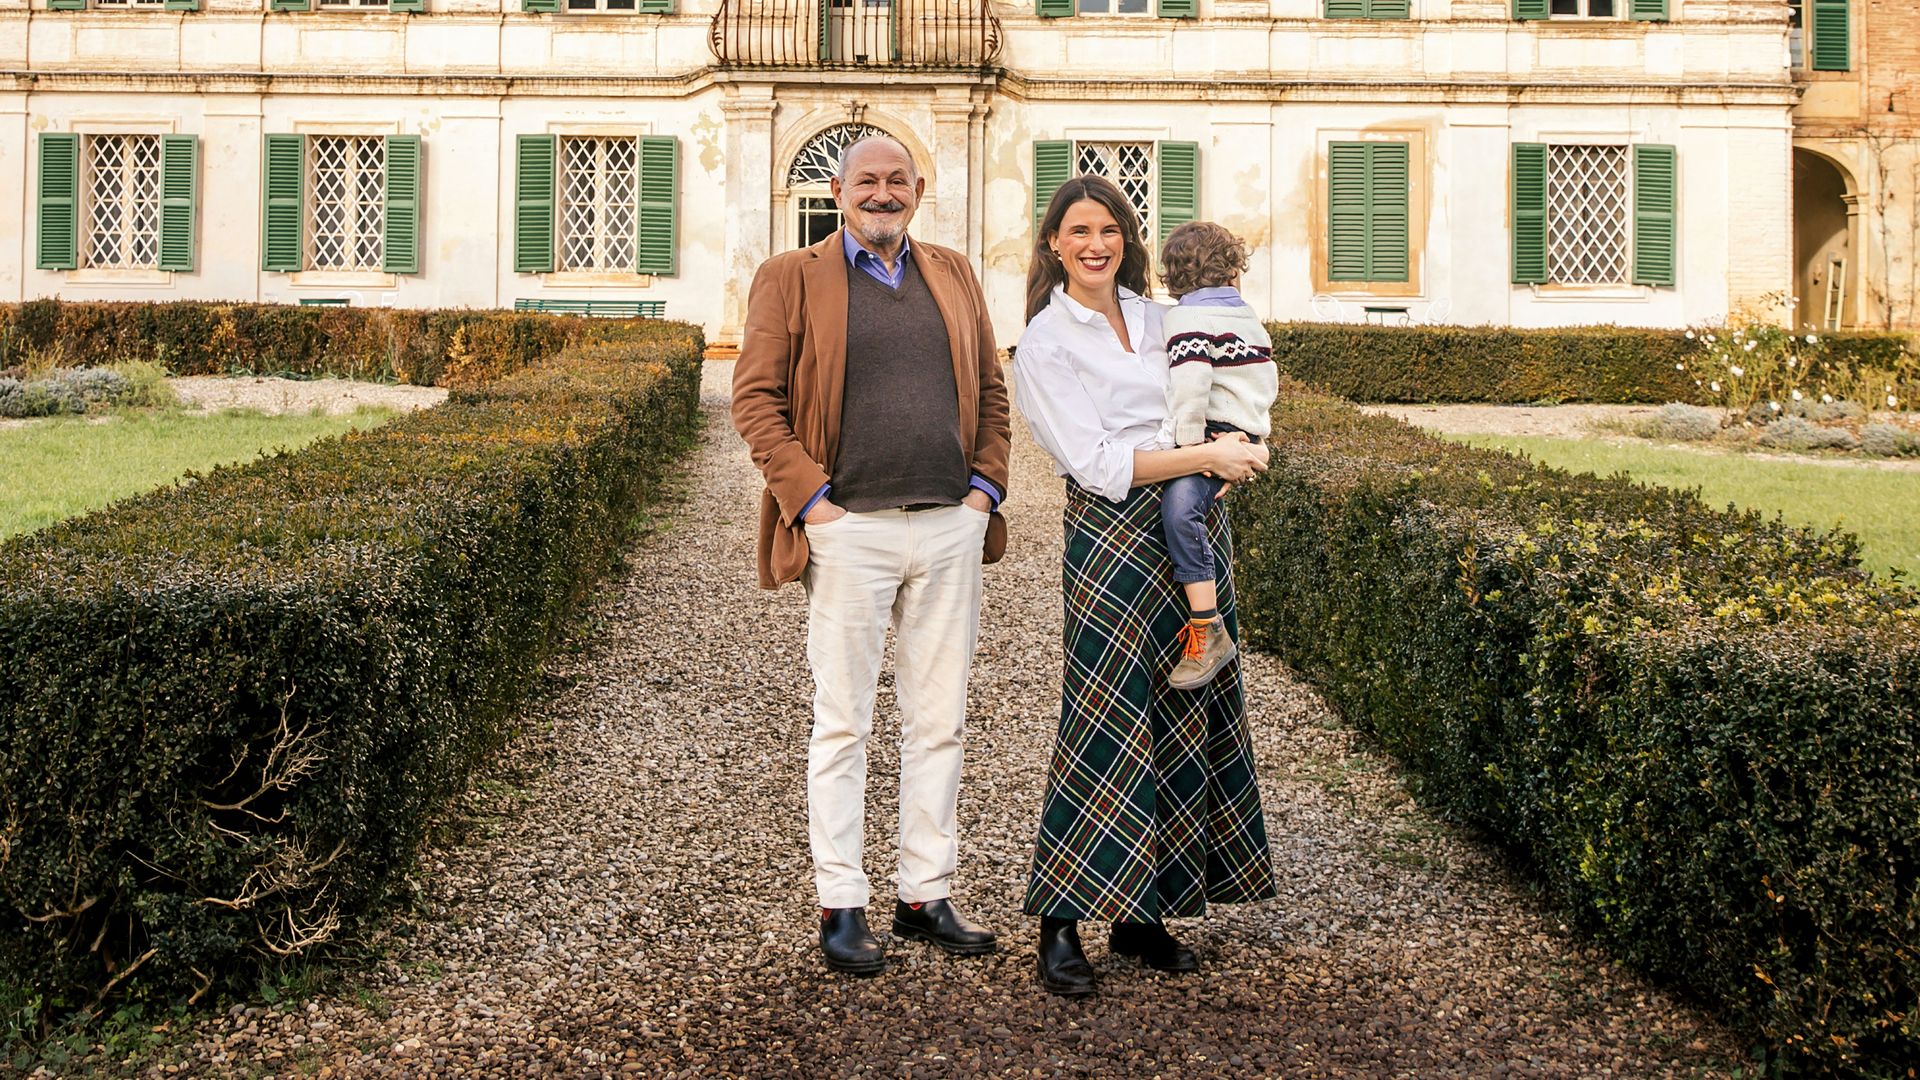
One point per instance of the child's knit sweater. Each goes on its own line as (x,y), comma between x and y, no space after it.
(1222,369)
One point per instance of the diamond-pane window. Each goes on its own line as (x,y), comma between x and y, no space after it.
(123,201)
(1130,166)
(599,195)
(347,177)
(1588,215)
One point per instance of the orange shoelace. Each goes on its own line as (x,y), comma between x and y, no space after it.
(1193,639)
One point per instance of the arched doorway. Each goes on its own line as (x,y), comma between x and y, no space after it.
(812,216)
(1826,270)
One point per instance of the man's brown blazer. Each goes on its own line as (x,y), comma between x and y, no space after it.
(791,378)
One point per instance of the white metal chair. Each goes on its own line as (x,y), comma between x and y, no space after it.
(1326,309)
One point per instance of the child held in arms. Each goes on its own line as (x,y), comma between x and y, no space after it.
(1223,383)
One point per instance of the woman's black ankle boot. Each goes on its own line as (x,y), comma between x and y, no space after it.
(1063,964)
(1150,943)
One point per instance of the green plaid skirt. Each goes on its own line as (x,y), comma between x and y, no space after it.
(1152,808)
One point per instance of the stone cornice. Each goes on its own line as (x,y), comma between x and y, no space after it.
(1519,91)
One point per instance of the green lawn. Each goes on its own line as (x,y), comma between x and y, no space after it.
(52,469)
(1881,506)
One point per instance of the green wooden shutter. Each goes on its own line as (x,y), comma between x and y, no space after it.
(1389,9)
(1647,10)
(1177,9)
(1387,211)
(1179,185)
(58,190)
(179,200)
(182,5)
(283,209)
(289,5)
(1832,35)
(1053,9)
(1655,187)
(1346,9)
(656,7)
(1528,10)
(1347,211)
(659,205)
(533,191)
(820,29)
(407,5)
(545,7)
(1529,213)
(1052,166)
(400,245)
(66,5)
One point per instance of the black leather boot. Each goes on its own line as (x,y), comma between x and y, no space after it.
(1063,964)
(1150,943)
(937,921)
(847,944)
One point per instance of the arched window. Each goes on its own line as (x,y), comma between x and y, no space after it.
(815,217)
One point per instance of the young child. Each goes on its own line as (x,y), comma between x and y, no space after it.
(1223,380)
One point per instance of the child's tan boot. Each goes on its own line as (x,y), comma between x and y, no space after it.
(1206,648)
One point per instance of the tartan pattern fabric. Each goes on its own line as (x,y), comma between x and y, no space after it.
(1152,808)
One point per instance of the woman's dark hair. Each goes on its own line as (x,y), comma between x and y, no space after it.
(1044,270)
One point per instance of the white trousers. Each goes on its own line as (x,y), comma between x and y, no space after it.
(919,572)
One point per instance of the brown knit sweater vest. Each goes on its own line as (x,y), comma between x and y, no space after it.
(900,417)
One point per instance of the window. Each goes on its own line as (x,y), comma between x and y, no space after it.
(123,202)
(1129,165)
(603,5)
(1584,9)
(816,216)
(1115,7)
(1594,215)
(346,5)
(355,5)
(341,203)
(1164,9)
(1587,215)
(345,212)
(122,5)
(1160,179)
(1368,205)
(600,195)
(116,201)
(603,204)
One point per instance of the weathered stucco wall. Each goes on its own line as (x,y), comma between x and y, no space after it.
(1261,85)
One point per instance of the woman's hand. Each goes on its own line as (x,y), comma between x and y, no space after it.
(1236,460)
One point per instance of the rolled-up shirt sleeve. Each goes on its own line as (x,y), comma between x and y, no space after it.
(1066,422)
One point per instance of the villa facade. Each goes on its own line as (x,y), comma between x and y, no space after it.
(1523,162)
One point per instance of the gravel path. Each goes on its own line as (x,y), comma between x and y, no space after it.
(632,892)
(272,395)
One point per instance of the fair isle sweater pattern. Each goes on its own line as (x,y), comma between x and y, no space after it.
(1221,369)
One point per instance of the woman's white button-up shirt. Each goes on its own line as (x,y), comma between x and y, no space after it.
(1089,402)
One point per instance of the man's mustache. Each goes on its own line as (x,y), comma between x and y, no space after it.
(888,207)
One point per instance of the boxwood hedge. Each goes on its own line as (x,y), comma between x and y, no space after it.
(424,347)
(1701,728)
(228,708)
(1605,364)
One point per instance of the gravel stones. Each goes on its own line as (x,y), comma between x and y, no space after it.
(628,891)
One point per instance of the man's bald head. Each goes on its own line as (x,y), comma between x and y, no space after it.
(893,148)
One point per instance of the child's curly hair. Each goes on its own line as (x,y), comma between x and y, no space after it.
(1200,255)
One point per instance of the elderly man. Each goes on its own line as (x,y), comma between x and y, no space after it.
(870,396)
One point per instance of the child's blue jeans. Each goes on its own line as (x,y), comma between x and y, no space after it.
(1184,503)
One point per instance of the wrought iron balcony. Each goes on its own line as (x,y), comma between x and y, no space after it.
(855,34)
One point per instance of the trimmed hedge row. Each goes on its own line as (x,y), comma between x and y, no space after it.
(228,708)
(1606,364)
(454,348)
(1701,728)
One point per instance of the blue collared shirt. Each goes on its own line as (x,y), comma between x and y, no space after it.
(1217,296)
(875,267)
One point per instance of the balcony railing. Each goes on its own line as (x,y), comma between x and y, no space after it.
(853,34)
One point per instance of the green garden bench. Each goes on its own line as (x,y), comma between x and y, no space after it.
(607,309)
